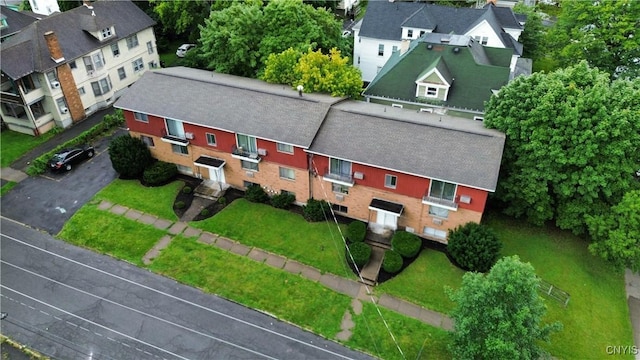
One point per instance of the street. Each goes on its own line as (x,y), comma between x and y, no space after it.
(70,303)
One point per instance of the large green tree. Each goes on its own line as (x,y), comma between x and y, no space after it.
(605,33)
(499,315)
(616,234)
(180,19)
(315,71)
(533,36)
(240,38)
(572,147)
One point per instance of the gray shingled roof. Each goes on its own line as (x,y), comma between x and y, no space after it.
(384,19)
(75,42)
(16,20)
(428,145)
(230,103)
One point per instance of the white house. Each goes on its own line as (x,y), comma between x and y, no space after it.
(386,24)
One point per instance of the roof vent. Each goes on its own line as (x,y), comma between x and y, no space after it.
(429,46)
(456,50)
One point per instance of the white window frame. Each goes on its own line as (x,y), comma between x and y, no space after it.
(438,211)
(115,49)
(410,33)
(148,140)
(81,90)
(107,33)
(287,173)
(138,65)
(104,86)
(444,184)
(98,60)
(122,73)
(132,41)
(380,49)
(62,103)
(183,150)
(339,188)
(149,47)
(209,137)
(142,117)
(249,165)
(390,181)
(284,148)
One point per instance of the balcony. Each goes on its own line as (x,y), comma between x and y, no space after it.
(338,178)
(176,140)
(238,152)
(432,200)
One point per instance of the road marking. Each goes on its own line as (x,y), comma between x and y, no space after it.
(139,312)
(125,344)
(94,323)
(180,299)
(112,339)
(85,329)
(46,313)
(70,323)
(98,334)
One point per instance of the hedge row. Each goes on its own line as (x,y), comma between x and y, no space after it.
(360,252)
(406,244)
(356,231)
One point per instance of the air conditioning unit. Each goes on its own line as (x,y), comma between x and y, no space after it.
(437,221)
(262,152)
(64,110)
(465,199)
(249,174)
(55,85)
(188,135)
(427,110)
(410,230)
(358,175)
(339,197)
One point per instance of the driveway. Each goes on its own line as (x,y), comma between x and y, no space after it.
(46,202)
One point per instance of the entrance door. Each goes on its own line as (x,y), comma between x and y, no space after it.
(387,220)
(217,175)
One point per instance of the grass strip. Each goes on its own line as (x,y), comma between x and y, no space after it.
(157,201)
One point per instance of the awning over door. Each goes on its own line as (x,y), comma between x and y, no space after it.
(209,162)
(386,206)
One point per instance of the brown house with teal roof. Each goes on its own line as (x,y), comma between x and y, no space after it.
(441,73)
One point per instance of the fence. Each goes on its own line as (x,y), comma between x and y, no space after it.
(554,292)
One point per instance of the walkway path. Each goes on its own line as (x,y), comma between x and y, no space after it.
(359,292)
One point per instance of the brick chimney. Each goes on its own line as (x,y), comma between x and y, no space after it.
(54,47)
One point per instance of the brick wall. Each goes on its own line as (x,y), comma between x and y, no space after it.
(70,92)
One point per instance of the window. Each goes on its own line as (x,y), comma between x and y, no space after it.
(81,90)
(88,64)
(211,139)
(147,140)
(378,69)
(287,173)
(358,60)
(285,148)
(149,47)
(101,87)
(422,33)
(132,41)
(340,167)
(485,40)
(438,211)
(184,169)
(248,165)
(410,33)
(442,190)
(175,128)
(287,192)
(98,60)
(394,49)
(247,143)
(153,64)
(106,33)
(431,91)
(62,105)
(390,181)
(381,50)
(137,65)
(115,50)
(248,183)
(179,149)
(121,73)
(338,188)
(73,65)
(141,117)
(339,208)
(51,76)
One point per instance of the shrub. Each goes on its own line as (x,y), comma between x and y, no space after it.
(406,244)
(222,200)
(360,252)
(180,205)
(204,212)
(256,194)
(186,190)
(356,231)
(474,247)
(159,173)
(315,210)
(392,262)
(282,200)
(129,156)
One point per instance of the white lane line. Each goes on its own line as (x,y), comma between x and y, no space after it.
(179,299)
(44,312)
(70,323)
(94,323)
(139,312)
(112,339)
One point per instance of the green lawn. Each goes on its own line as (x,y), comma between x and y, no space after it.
(157,201)
(110,234)
(282,232)
(169,56)
(424,281)
(14,144)
(8,186)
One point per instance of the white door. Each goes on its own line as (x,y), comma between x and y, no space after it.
(217,175)
(387,220)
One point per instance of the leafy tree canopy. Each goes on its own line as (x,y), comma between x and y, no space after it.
(499,315)
(240,38)
(602,32)
(181,18)
(315,71)
(573,144)
(616,234)
(533,36)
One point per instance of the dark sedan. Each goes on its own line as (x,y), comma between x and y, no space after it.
(67,158)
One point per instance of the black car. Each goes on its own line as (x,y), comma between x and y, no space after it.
(66,158)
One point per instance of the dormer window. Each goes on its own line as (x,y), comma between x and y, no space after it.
(107,33)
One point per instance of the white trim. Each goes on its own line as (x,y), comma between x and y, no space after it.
(240,157)
(385,211)
(174,142)
(431,203)
(337,181)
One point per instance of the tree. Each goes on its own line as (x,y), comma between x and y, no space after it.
(239,39)
(315,71)
(616,234)
(572,147)
(499,315)
(533,36)
(474,247)
(182,18)
(129,156)
(602,32)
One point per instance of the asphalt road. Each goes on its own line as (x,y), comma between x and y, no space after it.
(46,202)
(70,303)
